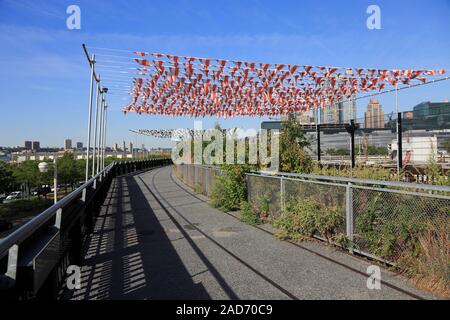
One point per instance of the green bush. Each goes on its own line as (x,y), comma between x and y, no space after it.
(306,217)
(264,206)
(249,216)
(230,188)
(23,207)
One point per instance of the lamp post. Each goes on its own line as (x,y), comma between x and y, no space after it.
(43,167)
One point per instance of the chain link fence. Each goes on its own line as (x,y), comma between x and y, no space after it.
(199,177)
(382,220)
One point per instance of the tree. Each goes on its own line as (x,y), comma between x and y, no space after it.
(293,157)
(27,173)
(6,178)
(68,171)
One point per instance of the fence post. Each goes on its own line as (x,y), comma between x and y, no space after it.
(318,142)
(351,128)
(399,143)
(282,194)
(349,215)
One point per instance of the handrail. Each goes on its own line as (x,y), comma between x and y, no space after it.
(406,185)
(38,221)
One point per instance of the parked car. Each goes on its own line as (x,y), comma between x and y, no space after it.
(5,225)
(14,195)
(42,191)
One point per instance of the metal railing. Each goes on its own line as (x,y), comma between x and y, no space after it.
(382,220)
(379,219)
(34,258)
(199,177)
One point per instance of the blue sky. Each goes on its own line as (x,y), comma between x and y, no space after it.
(45,76)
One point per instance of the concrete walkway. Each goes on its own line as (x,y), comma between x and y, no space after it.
(155,239)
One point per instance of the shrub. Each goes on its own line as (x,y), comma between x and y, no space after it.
(264,206)
(293,141)
(306,217)
(430,265)
(249,216)
(230,188)
(23,207)
(198,188)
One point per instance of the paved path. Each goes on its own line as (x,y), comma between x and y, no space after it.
(155,239)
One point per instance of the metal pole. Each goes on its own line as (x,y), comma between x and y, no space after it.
(318,142)
(399,135)
(97,103)
(55,178)
(282,194)
(102,107)
(88,145)
(349,214)
(399,144)
(396,98)
(104,136)
(352,143)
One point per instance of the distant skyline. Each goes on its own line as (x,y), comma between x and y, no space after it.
(45,82)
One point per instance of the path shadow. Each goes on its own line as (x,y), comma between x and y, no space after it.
(129,255)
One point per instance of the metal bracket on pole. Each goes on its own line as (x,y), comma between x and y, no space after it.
(349,214)
(13,255)
(58,218)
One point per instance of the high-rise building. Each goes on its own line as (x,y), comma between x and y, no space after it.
(347,110)
(124,147)
(36,145)
(67,144)
(131,146)
(28,145)
(339,113)
(374,116)
(116,147)
(307,117)
(80,145)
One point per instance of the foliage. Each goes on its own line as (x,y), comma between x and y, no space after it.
(360,172)
(377,151)
(338,152)
(198,188)
(68,170)
(293,157)
(434,262)
(6,178)
(371,151)
(305,217)
(230,189)
(264,206)
(248,215)
(23,207)
(434,172)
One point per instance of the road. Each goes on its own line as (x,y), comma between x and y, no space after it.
(156,239)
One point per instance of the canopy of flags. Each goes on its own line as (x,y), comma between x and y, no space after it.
(187,86)
(166,133)
(178,134)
